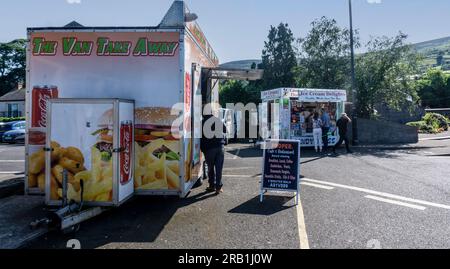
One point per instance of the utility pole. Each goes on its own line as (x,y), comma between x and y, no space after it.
(354,91)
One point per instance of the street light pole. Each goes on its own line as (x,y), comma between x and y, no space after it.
(354,92)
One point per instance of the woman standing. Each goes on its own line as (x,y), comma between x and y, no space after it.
(317,132)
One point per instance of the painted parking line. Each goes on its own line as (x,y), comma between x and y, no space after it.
(434,138)
(377,193)
(303,236)
(235,168)
(317,186)
(244,176)
(389,201)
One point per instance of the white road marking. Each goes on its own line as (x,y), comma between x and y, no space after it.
(434,138)
(317,186)
(11,172)
(395,202)
(235,168)
(246,176)
(384,194)
(304,244)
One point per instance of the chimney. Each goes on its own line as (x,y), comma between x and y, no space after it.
(20,85)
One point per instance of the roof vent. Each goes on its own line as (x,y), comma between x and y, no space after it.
(74,24)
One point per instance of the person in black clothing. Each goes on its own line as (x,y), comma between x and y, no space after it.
(212,146)
(342,125)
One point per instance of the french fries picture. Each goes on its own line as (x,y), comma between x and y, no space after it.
(32,180)
(97,182)
(157,165)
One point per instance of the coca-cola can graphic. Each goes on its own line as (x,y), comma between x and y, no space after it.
(40,95)
(126,134)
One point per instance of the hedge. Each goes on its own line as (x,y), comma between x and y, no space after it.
(5,119)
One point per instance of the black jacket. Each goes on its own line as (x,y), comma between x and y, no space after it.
(218,140)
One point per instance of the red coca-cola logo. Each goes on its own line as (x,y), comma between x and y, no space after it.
(40,96)
(42,103)
(125,158)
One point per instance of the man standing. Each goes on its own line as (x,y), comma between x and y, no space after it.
(326,124)
(212,146)
(342,125)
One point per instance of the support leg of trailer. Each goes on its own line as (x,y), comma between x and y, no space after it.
(77,218)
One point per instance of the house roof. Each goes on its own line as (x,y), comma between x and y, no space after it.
(15,95)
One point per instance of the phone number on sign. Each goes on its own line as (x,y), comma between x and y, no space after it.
(278,186)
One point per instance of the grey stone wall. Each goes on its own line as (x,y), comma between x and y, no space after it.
(384,132)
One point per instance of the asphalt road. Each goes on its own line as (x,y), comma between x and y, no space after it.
(12,161)
(376,197)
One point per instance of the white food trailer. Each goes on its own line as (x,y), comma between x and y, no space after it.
(286,113)
(163,69)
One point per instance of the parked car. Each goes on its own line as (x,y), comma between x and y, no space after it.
(5,127)
(16,134)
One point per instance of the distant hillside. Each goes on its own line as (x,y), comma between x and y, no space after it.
(436,53)
(243,64)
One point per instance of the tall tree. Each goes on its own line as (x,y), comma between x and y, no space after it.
(278,58)
(12,64)
(434,89)
(323,54)
(385,74)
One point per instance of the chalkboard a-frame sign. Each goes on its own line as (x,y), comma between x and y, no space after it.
(281,167)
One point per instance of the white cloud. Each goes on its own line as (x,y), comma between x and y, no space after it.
(73,1)
(374,1)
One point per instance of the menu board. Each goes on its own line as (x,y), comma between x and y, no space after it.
(281,165)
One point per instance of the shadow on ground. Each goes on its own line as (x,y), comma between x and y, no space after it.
(271,205)
(140,220)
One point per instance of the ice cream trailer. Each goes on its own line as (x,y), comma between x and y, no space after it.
(286,113)
(159,68)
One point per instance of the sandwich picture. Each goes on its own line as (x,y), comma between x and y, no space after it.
(157,149)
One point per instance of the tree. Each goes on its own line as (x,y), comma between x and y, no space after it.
(12,64)
(385,75)
(323,54)
(237,91)
(278,58)
(440,59)
(434,89)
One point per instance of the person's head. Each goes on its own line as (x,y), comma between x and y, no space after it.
(316,115)
(344,116)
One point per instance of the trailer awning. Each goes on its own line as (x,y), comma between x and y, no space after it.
(236,74)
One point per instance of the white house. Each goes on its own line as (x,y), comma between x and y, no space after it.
(12,104)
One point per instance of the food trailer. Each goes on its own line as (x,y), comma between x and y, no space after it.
(286,113)
(160,69)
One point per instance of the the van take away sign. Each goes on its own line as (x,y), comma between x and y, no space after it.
(103,46)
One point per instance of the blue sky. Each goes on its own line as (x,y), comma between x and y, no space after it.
(236,29)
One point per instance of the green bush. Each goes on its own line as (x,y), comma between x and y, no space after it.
(431,123)
(418,124)
(436,120)
(5,119)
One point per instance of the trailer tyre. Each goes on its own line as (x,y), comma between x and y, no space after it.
(72,229)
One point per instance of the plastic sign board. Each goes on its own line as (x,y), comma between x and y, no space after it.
(281,166)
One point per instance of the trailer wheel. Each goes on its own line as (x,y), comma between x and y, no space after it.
(72,229)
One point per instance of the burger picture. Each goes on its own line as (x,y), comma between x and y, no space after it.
(104,136)
(157,149)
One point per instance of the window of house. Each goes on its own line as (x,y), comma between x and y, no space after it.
(13,110)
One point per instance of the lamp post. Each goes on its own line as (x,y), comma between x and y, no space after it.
(354,91)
